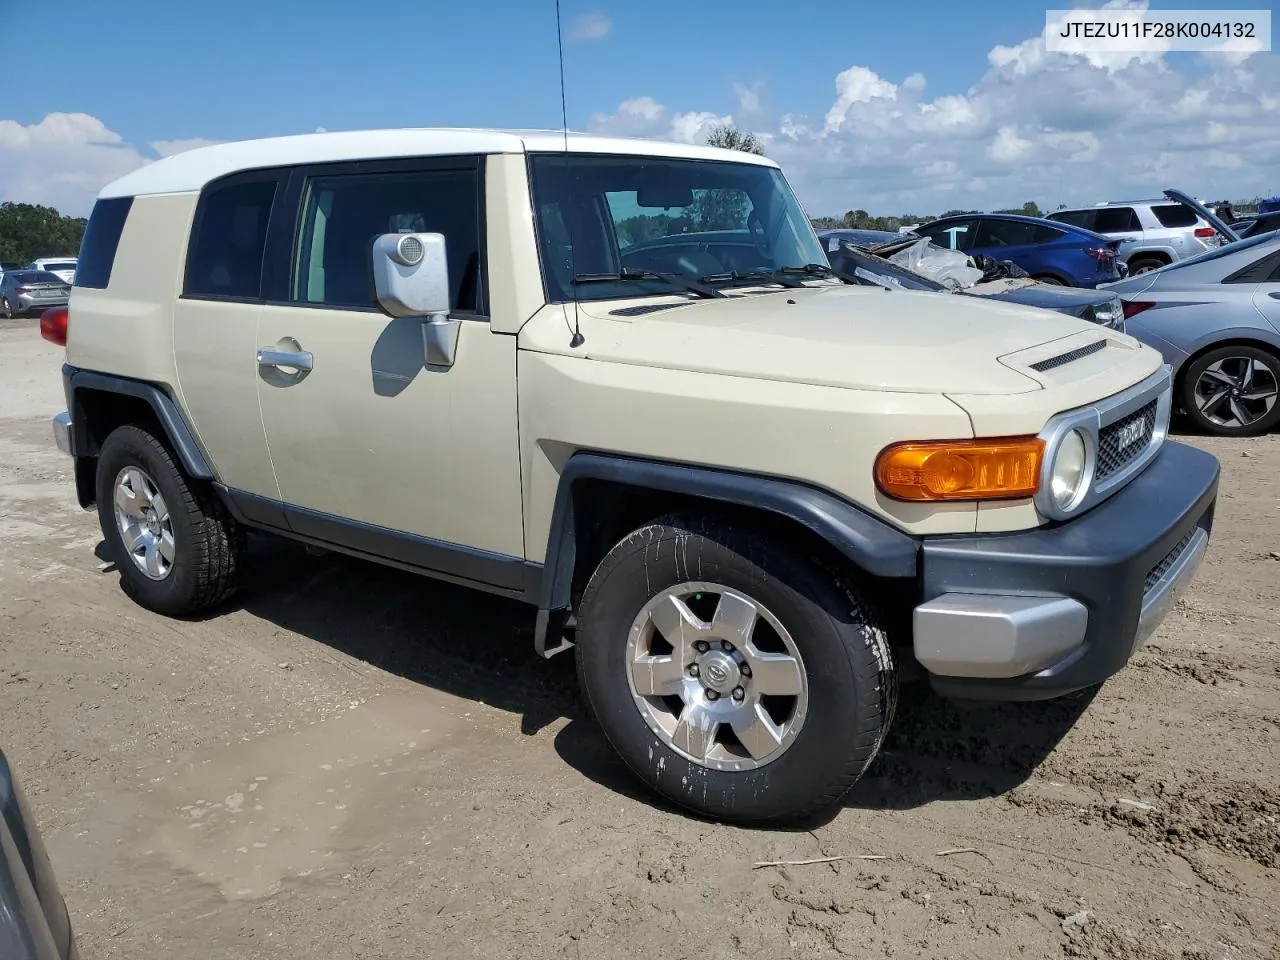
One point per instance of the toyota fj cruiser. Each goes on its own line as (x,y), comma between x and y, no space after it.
(617,379)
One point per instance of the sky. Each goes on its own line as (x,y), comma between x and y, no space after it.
(911,107)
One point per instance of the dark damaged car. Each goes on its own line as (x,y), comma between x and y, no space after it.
(869,265)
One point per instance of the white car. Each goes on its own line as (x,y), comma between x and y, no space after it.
(619,381)
(64,268)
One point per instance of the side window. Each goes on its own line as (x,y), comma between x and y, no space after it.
(953,235)
(1117,220)
(1077,218)
(228,240)
(1175,215)
(1040,233)
(341,216)
(1006,233)
(101,239)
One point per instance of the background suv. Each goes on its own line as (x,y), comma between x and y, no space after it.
(1152,233)
(1049,252)
(62,267)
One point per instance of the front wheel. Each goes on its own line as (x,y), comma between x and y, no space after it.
(6,308)
(1233,391)
(737,677)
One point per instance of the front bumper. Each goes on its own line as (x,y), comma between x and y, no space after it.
(1038,614)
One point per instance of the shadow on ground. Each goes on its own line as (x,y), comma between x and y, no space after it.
(480,647)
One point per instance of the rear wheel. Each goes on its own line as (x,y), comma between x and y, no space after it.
(175,547)
(1233,391)
(736,677)
(1049,278)
(1145,265)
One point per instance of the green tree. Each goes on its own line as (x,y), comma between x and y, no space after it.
(28,231)
(733,139)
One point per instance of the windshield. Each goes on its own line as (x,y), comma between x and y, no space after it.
(695,220)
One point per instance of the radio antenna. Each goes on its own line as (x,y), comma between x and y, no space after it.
(577,339)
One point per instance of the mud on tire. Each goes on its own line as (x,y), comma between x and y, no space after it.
(850,680)
(206,542)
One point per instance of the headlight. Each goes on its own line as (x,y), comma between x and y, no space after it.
(1070,470)
(1109,314)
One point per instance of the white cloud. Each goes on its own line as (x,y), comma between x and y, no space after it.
(167,148)
(590,26)
(62,161)
(1056,127)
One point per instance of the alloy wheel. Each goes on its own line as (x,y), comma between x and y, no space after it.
(1237,392)
(146,529)
(716,676)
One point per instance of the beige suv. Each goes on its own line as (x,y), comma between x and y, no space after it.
(502,359)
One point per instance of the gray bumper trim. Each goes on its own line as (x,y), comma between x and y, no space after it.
(1164,593)
(62,432)
(984,635)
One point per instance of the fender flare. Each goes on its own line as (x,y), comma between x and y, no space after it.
(869,542)
(174,424)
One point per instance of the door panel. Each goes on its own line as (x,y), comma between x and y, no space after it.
(369,433)
(215,328)
(372,435)
(213,348)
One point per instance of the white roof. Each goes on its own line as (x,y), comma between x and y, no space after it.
(189,171)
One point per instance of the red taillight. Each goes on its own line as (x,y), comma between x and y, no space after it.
(53,325)
(1100,253)
(1206,232)
(1134,307)
(23,290)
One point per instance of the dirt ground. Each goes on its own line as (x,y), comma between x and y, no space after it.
(354,762)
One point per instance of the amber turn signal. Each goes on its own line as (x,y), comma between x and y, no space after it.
(961,469)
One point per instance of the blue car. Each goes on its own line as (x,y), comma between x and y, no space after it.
(1049,251)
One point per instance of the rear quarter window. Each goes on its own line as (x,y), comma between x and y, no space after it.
(1175,215)
(1117,220)
(101,239)
(1077,218)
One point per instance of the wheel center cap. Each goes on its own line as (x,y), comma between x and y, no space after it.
(719,671)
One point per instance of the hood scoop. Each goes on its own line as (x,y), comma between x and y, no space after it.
(1062,359)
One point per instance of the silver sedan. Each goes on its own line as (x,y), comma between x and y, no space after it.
(1216,319)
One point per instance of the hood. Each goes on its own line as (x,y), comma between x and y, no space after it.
(864,338)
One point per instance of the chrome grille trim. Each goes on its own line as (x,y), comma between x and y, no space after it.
(1112,457)
(1092,421)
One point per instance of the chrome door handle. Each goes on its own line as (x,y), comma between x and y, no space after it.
(299,360)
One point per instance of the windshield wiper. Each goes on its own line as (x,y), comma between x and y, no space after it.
(811,270)
(625,275)
(767,276)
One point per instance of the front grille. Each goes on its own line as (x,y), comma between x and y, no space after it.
(1122,442)
(1070,356)
(1170,558)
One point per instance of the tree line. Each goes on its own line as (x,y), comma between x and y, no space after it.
(29,231)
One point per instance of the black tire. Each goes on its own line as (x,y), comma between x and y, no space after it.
(1145,265)
(852,680)
(1268,379)
(208,543)
(5,308)
(1050,279)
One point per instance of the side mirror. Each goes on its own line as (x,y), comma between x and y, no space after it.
(411,274)
(411,279)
